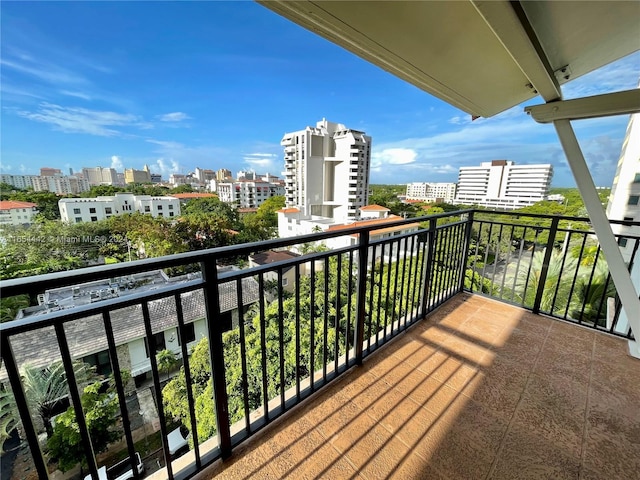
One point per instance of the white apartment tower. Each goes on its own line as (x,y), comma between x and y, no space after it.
(504,185)
(624,201)
(327,171)
(100,176)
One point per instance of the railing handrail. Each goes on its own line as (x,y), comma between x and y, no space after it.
(84,275)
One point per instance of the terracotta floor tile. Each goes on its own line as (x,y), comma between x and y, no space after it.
(457,397)
(553,414)
(526,455)
(389,459)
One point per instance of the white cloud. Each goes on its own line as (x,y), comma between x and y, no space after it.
(266,162)
(173,117)
(396,156)
(81,95)
(167,166)
(83,120)
(117,163)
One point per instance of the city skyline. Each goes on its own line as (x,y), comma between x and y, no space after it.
(216,85)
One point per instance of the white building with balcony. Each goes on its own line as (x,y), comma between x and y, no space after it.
(76,210)
(503,185)
(250,192)
(431,192)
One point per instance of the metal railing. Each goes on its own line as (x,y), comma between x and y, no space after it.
(293,337)
(547,264)
(296,324)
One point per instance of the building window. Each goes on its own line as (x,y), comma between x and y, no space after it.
(160,344)
(160,214)
(159,207)
(92,210)
(170,207)
(628,219)
(78,219)
(147,209)
(171,214)
(622,242)
(101,361)
(636,178)
(76,211)
(633,200)
(94,219)
(189,333)
(108,211)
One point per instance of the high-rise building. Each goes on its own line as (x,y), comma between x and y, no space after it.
(503,184)
(624,201)
(431,192)
(327,171)
(100,176)
(223,174)
(50,172)
(137,176)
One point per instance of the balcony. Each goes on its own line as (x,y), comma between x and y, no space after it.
(481,343)
(477,390)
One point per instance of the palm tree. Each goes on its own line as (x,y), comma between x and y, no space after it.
(555,293)
(9,306)
(43,388)
(586,303)
(166,360)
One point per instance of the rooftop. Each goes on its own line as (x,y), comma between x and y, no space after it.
(479,389)
(10,205)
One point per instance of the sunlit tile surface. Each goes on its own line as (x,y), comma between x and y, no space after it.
(477,390)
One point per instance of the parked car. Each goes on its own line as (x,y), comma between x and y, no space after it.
(120,471)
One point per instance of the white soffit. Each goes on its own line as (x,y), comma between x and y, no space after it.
(476,55)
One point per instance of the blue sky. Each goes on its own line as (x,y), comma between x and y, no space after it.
(179,85)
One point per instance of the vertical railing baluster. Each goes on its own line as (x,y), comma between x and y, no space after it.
(281,336)
(338,308)
(124,413)
(243,355)
(263,347)
(187,378)
(297,297)
(325,320)
(545,265)
(216,352)
(361,313)
(312,332)
(156,386)
(20,398)
(429,268)
(76,400)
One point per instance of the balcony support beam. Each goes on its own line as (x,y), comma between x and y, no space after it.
(619,272)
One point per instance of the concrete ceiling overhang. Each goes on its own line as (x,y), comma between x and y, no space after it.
(482,57)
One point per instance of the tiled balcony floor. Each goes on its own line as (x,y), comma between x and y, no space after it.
(478,390)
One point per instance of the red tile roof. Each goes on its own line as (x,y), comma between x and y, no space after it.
(188,196)
(10,205)
(289,210)
(374,208)
(376,221)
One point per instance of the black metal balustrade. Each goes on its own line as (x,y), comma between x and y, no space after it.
(335,307)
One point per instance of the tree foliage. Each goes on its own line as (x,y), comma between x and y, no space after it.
(100,411)
(43,388)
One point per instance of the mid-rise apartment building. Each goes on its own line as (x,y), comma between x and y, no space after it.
(504,185)
(431,192)
(76,210)
(327,170)
(245,193)
(58,184)
(100,176)
(22,182)
(17,213)
(50,172)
